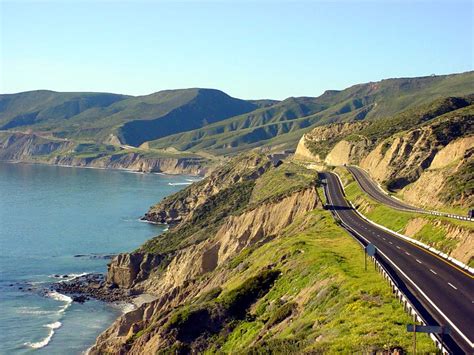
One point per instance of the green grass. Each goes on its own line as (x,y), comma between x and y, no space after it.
(336,307)
(283,180)
(431,233)
(205,220)
(305,291)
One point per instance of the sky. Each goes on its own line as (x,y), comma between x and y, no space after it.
(249,49)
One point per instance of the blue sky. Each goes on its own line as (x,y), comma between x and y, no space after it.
(249,49)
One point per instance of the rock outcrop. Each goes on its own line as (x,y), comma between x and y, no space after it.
(326,144)
(128,269)
(401,159)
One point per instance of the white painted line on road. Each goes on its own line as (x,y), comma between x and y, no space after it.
(407,253)
(418,261)
(398,247)
(450,284)
(434,272)
(384,239)
(390,242)
(470,343)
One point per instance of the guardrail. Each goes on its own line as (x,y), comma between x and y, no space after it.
(403,299)
(416,209)
(414,241)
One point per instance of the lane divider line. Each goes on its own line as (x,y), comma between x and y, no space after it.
(450,284)
(454,263)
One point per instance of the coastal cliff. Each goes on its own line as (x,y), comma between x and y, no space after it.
(172,274)
(34,148)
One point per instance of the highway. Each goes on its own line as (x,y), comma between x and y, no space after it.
(440,290)
(375,191)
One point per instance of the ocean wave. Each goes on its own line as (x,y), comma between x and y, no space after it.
(193,180)
(179,183)
(60,297)
(69,277)
(45,341)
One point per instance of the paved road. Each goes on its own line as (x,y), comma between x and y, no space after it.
(373,189)
(444,292)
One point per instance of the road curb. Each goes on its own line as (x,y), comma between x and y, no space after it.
(414,241)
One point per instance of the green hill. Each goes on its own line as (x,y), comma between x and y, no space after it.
(283,123)
(209,122)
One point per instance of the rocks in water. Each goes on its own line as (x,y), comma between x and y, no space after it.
(95,256)
(80,298)
(83,288)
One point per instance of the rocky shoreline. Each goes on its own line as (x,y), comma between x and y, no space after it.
(93,286)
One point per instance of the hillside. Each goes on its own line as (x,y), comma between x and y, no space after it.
(425,153)
(281,125)
(208,122)
(256,265)
(115,118)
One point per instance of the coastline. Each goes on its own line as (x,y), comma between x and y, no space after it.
(124,169)
(42,331)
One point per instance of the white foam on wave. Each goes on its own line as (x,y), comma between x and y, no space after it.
(179,183)
(193,180)
(69,277)
(45,341)
(60,297)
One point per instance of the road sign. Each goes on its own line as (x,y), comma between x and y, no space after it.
(370,249)
(434,329)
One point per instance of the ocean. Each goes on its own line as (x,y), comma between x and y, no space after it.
(57,223)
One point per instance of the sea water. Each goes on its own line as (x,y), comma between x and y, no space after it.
(59,221)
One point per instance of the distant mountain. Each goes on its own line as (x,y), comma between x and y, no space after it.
(207,122)
(129,120)
(283,124)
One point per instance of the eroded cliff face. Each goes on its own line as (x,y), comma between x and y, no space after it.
(325,144)
(184,277)
(432,188)
(401,159)
(178,276)
(33,148)
(177,209)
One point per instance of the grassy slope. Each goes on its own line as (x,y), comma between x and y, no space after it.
(284,123)
(96,116)
(398,220)
(323,299)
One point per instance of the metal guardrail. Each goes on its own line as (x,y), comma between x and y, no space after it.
(416,209)
(414,241)
(407,304)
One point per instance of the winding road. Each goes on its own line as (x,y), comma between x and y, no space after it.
(371,188)
(440,290)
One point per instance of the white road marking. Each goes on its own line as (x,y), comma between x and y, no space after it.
(384,239)
(434,272)
(418,261)
(390,242)
(407,253)
(450,284)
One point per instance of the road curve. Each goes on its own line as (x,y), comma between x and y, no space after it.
(443,292)
(375,191)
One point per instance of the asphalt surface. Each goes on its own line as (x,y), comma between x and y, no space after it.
(443,292)
(373,190)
